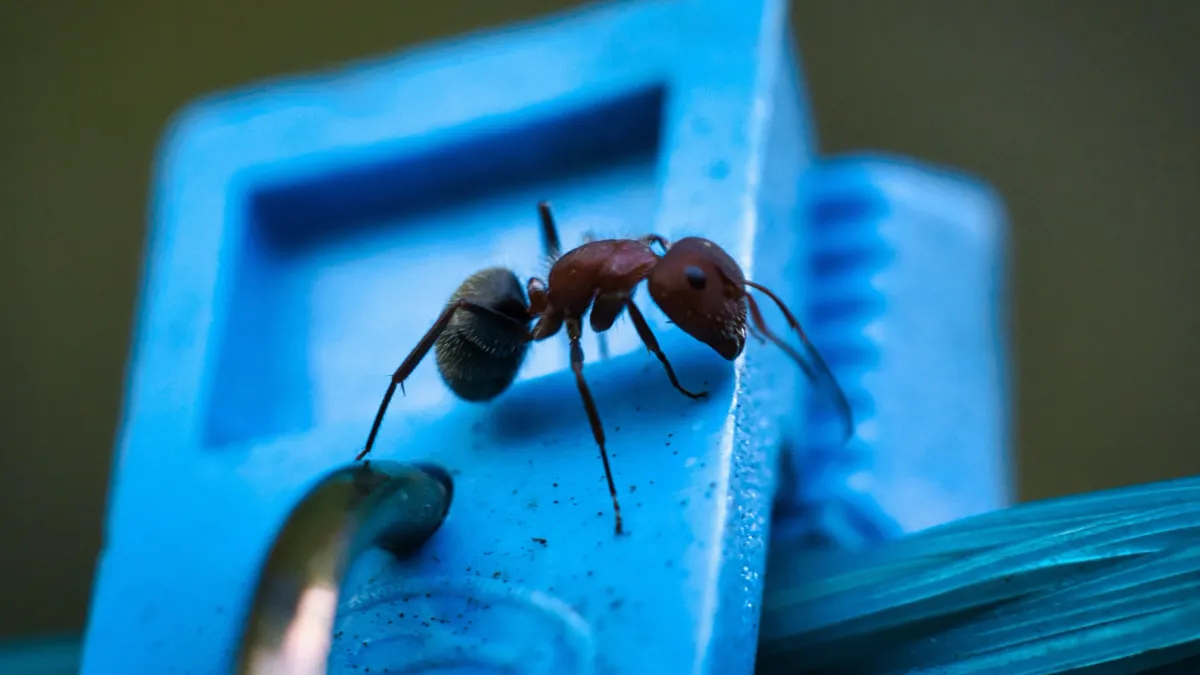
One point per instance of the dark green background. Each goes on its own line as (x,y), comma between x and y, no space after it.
(1083,113)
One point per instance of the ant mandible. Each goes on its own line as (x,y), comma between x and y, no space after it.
(483,333)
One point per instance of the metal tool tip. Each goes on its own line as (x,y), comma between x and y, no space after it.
(442,476)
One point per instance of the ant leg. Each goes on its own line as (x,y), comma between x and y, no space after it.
(575,332)
(606,309)
(651,342)
(535,288)
(652,238)
(601,339)
(551,246)
(414,357)
(840,400)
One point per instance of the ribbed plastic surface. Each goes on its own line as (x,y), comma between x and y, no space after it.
(908,302)
(1107,583)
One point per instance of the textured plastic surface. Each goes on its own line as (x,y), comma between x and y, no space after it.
(1107,582)
(305,233)
(908,297)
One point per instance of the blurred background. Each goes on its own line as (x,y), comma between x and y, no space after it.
(1084,115)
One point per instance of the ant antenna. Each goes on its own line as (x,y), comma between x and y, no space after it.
(839,395)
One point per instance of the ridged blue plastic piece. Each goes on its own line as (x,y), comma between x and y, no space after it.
(1107,582)
(306,232)
(908,295)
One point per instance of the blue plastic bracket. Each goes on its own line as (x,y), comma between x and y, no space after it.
(306,232)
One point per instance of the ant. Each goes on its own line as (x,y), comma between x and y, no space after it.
(483,333)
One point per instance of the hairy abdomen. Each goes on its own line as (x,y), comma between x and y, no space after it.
(479,354)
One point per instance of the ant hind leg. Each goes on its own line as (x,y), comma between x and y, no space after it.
(414,357)
(574,333)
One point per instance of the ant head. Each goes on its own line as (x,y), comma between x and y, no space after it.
(701,289)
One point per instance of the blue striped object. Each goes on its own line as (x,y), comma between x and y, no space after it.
(1107,583)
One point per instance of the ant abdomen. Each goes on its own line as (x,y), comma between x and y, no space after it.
(479,354)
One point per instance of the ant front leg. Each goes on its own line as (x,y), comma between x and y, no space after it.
(651,342)
(574,333)
(601,339)
(414,357)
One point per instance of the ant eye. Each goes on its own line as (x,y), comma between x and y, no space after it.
(695,276)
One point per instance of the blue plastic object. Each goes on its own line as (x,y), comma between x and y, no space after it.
(306,233)
(909,298)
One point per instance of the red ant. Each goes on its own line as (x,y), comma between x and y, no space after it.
(483,333)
